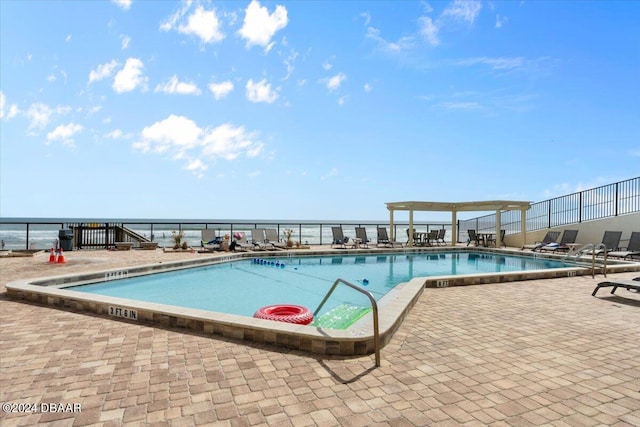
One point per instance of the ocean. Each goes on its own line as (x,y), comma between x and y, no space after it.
(42,233)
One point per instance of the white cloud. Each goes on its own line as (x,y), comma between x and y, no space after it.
(122,4)
(259,26)
(173,133)
(500,20)
(64,133)
(501,64)
(403,44)
(174,86)
(368,87)
(367,18)
(124,41)
(182,139)
(260,91)
(429,30)
(39,115)
(334,82)
(220,90)
(103,71)
(463,10)
(197,167)
(464,106)
(331,173)
(201,23)
(13,109)
(130,77)
(68,38)
(114,134)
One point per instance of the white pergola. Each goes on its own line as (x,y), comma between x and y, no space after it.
(455,207)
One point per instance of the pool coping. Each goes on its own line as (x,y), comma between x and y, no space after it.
(356,340)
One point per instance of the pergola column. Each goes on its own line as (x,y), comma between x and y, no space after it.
(411,227)
(454,227)
(393,229)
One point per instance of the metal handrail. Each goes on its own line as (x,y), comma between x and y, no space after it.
(591,248)
(374,306)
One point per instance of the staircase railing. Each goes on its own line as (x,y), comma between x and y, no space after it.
(374,306)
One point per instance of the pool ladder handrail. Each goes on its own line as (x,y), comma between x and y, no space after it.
(591,248)
(374,306)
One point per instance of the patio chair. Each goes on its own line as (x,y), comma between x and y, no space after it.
(431,238)
(361,233)
(568,238)
(383,238)
(473,237)
(492,239)
(338,238)
(632,249)
(618,283)
(549,238)
(417,237)
(209,241)
(441,235)
(271,236)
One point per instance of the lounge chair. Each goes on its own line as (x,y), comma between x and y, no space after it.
(620,283)
(209,241)
(549,238)
(441,235)
(610,240)
(632,249)
(473,237)
(240,243)
(338,238)
(271,236)
(259,240)
(383,238)
(568,238)
(361,233)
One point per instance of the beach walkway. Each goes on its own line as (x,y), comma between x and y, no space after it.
(540,352)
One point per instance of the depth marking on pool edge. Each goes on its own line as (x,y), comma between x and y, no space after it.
(126,313)
(442,283)
(115,275)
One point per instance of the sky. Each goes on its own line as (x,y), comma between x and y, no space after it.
(302,110)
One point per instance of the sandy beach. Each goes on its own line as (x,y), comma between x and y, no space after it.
(540,352)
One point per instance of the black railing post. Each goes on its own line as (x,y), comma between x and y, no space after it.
(580,207)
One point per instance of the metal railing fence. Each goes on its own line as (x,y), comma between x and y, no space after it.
(609,200)
(38,234)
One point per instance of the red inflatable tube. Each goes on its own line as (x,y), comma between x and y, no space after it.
(285,313)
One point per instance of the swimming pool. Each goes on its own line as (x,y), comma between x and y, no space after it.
(241,287)
(403,279)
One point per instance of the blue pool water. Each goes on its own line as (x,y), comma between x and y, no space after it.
(241,287)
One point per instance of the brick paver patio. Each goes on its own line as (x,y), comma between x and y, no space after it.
(541,352)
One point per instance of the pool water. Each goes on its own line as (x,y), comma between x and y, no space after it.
(241,287)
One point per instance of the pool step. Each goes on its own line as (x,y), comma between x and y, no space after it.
(341,317)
